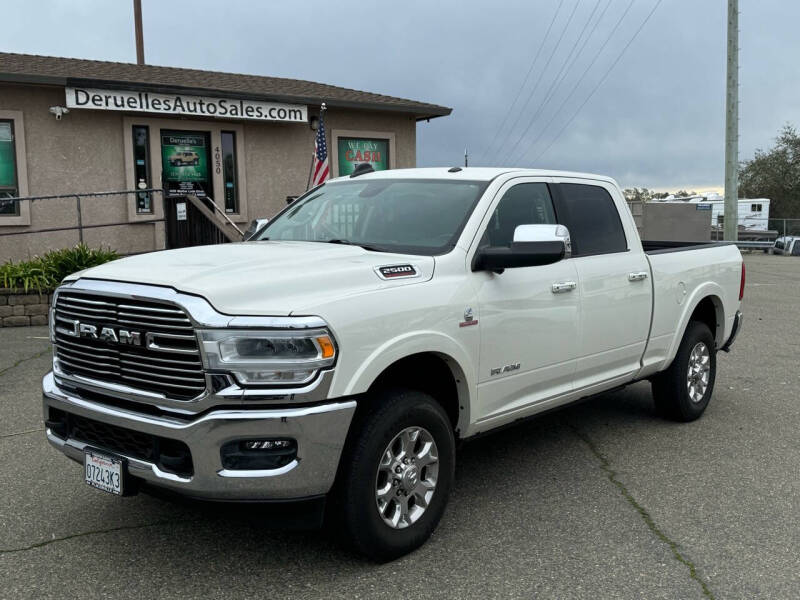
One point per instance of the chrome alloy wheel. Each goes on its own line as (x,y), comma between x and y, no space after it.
(406,478)
(699,371)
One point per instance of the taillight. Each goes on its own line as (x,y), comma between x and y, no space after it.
(741,284)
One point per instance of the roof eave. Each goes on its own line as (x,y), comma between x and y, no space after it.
(421,113)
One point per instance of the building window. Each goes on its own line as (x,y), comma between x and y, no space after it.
(229,171)
(8,170)
(141,168)
(755,207)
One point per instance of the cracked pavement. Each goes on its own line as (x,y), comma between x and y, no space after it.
(600,500)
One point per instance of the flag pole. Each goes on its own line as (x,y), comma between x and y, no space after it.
(322,110)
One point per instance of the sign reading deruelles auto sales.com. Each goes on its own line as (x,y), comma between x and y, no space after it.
(180,104)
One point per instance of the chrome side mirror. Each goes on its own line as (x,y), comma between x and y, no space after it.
(544,233)
(533,245)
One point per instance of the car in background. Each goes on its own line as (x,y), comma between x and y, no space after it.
(787,245)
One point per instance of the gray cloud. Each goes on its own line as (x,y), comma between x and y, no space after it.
(657,121)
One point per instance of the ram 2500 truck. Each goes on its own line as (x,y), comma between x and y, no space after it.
(369,327)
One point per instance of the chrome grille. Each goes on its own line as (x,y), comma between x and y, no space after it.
(170,366)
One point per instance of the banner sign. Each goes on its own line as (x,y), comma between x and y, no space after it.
(354,151)
(184,160)
(180,104)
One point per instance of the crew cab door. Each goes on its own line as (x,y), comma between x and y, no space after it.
(528,332)
(613,280)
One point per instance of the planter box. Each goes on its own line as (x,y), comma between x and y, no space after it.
(19,308)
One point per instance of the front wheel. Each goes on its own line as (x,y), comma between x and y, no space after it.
(396,475)
(682,392)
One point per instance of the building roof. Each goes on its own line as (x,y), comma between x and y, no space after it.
(29,68)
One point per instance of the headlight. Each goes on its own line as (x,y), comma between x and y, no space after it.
(268,356)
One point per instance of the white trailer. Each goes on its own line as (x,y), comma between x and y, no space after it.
(753,212)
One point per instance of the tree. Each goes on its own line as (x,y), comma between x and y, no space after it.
(775,174)
(637,195)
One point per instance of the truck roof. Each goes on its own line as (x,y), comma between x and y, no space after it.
(472,174)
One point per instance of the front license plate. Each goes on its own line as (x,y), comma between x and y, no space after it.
(103,472)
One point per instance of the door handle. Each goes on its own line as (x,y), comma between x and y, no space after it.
(637,276)
(563,286)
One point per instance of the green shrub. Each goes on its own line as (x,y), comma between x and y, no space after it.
(45,272)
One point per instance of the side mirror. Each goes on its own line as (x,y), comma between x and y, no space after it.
(533,245)
(253,228)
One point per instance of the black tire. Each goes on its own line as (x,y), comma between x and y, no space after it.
(354,505)
(671,391)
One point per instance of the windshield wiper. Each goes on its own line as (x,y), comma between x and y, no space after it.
(349,243)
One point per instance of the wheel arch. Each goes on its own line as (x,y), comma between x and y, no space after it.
(433,373)
(410,361)
(706,307)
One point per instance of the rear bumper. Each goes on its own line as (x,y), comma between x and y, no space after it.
(737,326)
(319,431)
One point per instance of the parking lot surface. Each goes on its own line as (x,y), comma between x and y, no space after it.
(600,500)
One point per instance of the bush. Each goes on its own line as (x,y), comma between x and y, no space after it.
(45,272)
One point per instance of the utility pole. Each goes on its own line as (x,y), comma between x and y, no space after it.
(466,157)
(732,126)
(137,20)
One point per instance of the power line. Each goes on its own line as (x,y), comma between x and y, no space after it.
(524,82)
(602,79)
(558,79)
(547,64)
(566,73)
(580,79)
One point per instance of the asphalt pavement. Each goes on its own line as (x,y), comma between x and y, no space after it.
(599,500)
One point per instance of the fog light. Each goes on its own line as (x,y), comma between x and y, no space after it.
(258,454)
(266,444)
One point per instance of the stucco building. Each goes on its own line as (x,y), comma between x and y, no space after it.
(244,141)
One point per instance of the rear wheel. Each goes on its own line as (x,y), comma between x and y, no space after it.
(682,392)
(396,475)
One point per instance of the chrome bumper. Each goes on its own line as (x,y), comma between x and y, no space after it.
(320,432)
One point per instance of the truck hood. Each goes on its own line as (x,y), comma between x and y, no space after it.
(264,278)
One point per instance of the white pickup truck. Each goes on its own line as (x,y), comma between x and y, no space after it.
(367,329)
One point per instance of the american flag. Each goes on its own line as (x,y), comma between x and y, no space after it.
(319,166)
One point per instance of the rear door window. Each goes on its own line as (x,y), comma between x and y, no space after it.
(592,218)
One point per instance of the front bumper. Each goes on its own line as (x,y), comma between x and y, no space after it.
(319,430)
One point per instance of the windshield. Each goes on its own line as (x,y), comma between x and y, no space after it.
(391,215)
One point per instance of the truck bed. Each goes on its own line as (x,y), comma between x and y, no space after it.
(662,247)
(680,279)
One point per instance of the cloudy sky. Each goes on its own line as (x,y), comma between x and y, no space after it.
(657,119)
